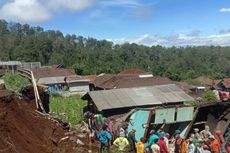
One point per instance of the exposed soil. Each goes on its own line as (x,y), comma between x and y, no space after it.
(23,130)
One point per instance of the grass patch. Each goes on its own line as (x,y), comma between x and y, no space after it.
(15,82)
(72,106)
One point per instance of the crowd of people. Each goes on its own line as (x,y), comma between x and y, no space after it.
(110,134)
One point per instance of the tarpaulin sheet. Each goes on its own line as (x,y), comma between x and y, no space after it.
(136,120)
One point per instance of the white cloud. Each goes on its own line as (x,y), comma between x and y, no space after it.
(24,10)
(39,10)
(73,5)
(178,40)
(225,10)
(123,3)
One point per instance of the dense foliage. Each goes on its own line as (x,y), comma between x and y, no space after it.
(91,56)
(15,82)
(209,96)
(71,106)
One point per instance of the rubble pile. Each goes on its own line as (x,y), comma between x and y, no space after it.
(24,130)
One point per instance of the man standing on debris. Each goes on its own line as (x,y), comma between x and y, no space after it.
(104,138)
(99,121)
(132,140)
(121,142)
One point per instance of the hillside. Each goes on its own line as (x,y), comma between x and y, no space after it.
(91,56)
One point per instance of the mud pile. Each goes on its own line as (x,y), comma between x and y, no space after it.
(23,130)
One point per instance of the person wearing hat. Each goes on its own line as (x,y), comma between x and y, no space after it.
(121,142)
(215,146)
(132,140)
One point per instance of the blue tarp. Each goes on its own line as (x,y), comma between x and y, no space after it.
(136,120)
(51,88)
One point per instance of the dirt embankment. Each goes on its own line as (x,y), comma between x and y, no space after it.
(23,130)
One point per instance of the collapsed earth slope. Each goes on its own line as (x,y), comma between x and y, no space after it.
(24,130)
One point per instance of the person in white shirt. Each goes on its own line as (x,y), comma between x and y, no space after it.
(155,148)
(191,147)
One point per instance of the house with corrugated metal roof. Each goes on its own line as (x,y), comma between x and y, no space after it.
(118,101)
(113,81)
(59,78)
(9,65)
(161,106)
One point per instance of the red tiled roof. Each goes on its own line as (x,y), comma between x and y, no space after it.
(91,78)
(101,80)
(131,71)
(226,82)
(51,72)
(108,81)
(206,81)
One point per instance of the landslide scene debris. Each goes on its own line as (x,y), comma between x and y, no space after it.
(150,77)
(24,130)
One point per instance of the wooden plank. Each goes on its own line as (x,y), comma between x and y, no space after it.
(37,97)
(29,74)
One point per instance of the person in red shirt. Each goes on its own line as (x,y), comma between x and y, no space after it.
(161,143)
(227,147)
(215,146)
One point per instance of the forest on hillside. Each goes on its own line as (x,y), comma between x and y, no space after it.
(91,56)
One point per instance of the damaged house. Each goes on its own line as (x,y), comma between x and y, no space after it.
(140,104)
(118,101)
(162,106)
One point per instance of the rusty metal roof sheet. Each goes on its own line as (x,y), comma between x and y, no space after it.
(109,81)
(51,72)
(141,96)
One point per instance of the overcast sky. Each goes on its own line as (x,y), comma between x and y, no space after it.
(148,22)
